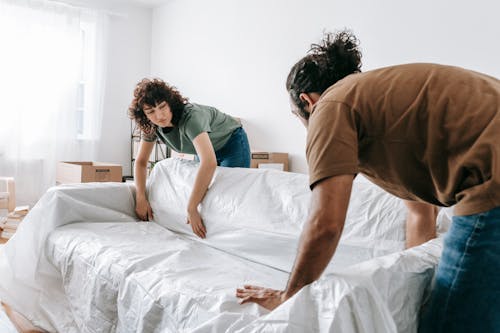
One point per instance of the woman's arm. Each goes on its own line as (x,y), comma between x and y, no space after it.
(420,222)
(142,207)
(208,163)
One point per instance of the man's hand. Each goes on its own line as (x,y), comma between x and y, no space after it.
(318,241)
(265,297)
(196,222)
(143,209)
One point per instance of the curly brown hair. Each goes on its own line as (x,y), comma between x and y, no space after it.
(336,57)
(153,92)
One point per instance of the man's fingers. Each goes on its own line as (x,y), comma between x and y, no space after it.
(241,292)
(246,299)
(251,299)
(252,287)
(246,295)
(248,290)
(265,297)
(253,291)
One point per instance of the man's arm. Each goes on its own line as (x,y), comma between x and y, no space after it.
(420,223)
(319,239)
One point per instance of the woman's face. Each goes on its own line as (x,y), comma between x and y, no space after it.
(160,114)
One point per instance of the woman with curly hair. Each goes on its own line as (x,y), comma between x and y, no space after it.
(215,137)
(426,133)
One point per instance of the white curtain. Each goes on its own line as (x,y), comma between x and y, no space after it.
(51,89)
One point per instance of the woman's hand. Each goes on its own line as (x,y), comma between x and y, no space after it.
(196,222)
(143,209)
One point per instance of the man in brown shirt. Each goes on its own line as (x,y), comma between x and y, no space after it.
(427,133)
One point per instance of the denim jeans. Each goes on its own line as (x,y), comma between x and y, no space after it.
(236,151)
(466,291)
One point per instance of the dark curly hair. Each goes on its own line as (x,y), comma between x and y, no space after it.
(153,92)
(336,57)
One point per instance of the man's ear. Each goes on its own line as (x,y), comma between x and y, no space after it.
(310,99)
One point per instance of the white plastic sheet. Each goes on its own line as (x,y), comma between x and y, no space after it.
(28,282)
(259,215)
(137,277)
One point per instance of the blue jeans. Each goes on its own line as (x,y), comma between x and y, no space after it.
(236,151)
(466,291)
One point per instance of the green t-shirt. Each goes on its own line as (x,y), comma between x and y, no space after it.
(197,119)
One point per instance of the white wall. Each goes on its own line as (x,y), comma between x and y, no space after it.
(128,62)
(235,55)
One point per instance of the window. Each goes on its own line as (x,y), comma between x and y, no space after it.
(86,84)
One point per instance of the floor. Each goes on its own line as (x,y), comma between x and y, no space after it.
(6,325)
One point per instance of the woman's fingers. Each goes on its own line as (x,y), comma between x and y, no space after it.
(197,225)
(141,216)
(202,227)
(200,231)
(196,229)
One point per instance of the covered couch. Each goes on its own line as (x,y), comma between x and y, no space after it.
(81,262)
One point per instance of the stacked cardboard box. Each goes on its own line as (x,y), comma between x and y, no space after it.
(10,223)
(269,160)
(7,194)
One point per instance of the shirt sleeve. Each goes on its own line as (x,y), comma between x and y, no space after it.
(149,137)
(197,123)
(332,142)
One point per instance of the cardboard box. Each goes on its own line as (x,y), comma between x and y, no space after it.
(7,193)
(269,160)
(86,172)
